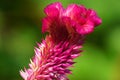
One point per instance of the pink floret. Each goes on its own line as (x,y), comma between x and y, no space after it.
(82,20)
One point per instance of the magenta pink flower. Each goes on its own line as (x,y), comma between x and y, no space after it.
(67,29)
(80,19)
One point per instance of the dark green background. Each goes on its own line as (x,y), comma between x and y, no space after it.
(20,29)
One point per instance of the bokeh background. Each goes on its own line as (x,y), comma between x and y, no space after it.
(20,29)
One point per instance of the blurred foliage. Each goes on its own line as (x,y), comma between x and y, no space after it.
(20,29)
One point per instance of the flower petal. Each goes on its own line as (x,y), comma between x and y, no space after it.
(86,28)
(93,17)
(72,10)
(46,24)
(54,9)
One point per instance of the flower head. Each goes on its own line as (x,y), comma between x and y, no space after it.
(67,29)
(62,23)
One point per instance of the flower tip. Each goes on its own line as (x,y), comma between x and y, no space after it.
(99,21)
(53,9)
(95,18)
(23,74)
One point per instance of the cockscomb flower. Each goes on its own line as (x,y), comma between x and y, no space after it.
(66,29)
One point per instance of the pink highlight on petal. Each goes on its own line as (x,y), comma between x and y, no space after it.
(87,28)
(93,17)
(54,10)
